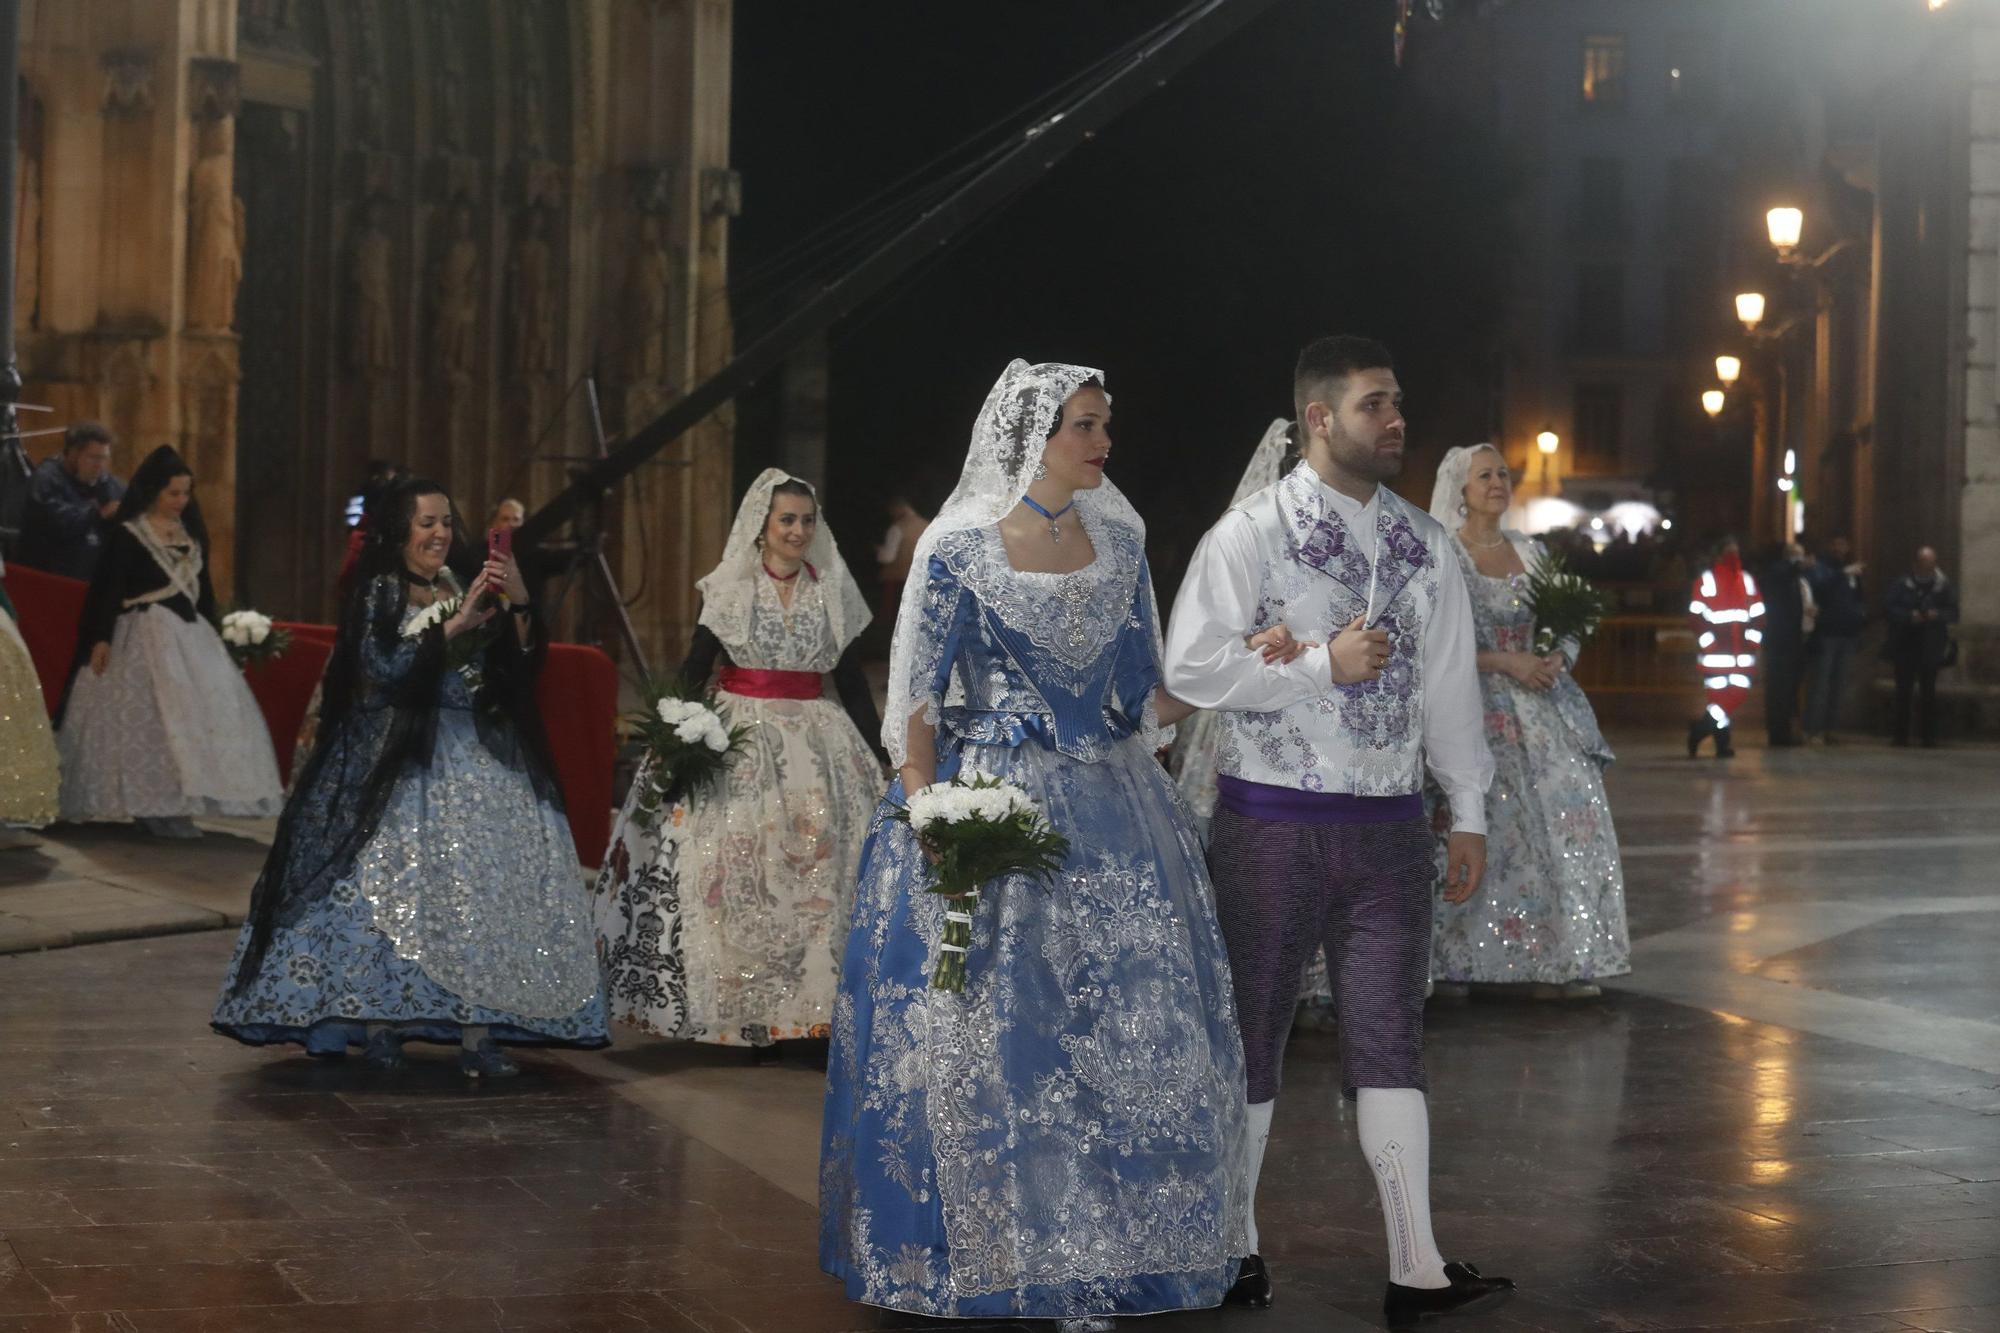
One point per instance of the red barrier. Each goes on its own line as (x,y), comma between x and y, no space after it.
(49,607)
(578,696)
(284,687)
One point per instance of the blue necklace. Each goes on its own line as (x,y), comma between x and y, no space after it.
(1055,531)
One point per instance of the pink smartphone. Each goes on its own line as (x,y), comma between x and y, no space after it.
(499,543)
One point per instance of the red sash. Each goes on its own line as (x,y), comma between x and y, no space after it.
(769,684)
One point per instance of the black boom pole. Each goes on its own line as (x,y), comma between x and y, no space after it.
(1200,28)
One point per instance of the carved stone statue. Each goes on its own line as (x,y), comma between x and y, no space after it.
(372,344)
(455,299)
(715,326)
(534,116)
(28,242)
(650,287)
(373,110)
(215,233)
(531,274)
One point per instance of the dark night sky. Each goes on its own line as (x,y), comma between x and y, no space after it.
(1291,184)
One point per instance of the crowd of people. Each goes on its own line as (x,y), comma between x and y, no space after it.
(1383,785)
(1799,621)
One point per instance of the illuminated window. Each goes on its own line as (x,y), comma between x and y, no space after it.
(1604,70)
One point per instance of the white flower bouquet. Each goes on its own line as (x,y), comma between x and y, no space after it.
(466,652)
(251,637)
(688,741)
(976,829)
(436,613)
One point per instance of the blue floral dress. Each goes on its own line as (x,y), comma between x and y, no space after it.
(1064,1138)
(465,907)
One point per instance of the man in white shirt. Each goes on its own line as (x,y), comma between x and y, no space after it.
(1320,836)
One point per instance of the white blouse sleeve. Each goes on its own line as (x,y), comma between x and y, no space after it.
(1208,663)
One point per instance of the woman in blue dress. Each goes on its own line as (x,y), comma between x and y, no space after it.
(422,884)
(1064,1140)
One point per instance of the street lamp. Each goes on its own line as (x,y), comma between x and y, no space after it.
(1750,309)
(1712,401)
(1548,441)
(1728,369)
(1786,225)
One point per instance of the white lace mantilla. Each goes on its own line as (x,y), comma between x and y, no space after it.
(1008,438)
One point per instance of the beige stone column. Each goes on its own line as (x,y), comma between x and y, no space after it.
(1979,502)
(131,100)
(662,235)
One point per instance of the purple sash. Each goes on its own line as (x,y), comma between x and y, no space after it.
(1287,805)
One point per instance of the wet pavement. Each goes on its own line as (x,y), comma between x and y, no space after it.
(1787,1119)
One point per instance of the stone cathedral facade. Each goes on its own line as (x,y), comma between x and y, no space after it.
(291,236)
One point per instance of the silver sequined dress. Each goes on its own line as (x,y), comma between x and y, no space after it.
(466,906)
(1551,908)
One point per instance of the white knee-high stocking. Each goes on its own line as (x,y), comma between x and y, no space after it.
(1395,1131)
(1254,1143)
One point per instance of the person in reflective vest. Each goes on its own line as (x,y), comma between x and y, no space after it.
(1728,614)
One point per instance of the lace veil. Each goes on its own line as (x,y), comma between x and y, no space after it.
(729,591)
(1267,463)
(1007,442)
(1448,493)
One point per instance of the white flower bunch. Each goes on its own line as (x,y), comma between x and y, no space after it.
(953,803)
(434,614)
(694,724)
(246,629)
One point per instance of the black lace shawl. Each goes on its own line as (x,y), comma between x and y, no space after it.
(379,706)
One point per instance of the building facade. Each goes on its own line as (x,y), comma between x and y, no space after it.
(1614,115)
(291,236)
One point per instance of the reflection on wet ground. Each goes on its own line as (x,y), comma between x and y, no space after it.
(1788,1118)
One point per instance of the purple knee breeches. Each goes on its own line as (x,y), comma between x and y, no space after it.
(1363,889)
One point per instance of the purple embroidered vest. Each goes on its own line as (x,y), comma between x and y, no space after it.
(1362,740)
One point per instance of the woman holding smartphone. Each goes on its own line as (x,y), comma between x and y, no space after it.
(422,884)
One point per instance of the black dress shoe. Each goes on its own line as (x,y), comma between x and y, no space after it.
(1696,735)
(1253,1284)
(1404,1306)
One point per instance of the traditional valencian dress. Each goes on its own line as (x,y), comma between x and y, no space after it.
(423,873)
(1064,1138)
(31,776)
(723,915)
(1551,908)
(170,730)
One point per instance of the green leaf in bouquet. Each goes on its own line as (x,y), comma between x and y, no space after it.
(1566,605)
